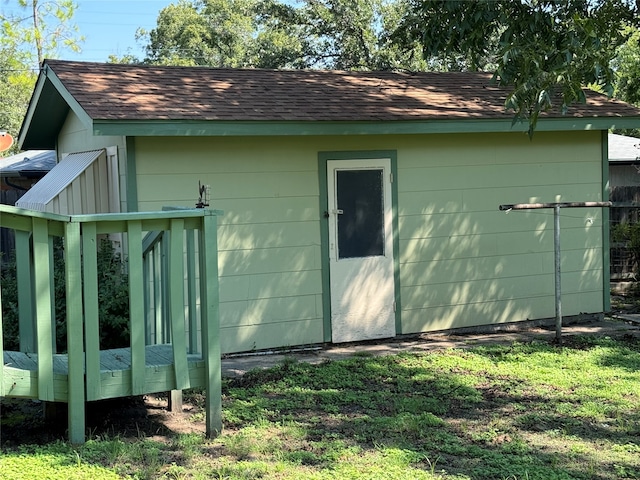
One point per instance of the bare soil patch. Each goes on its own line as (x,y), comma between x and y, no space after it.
(23,421)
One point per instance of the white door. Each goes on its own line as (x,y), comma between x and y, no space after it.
(360,249)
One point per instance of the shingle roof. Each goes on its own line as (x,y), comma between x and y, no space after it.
(135,92)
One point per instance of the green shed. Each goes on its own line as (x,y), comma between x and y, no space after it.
(357,205)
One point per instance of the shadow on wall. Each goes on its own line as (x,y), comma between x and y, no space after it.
(464,263)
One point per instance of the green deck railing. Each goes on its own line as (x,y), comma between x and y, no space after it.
(171,258)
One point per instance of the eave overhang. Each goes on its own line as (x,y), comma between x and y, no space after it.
(48,109)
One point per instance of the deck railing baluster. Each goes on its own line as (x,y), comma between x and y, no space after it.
(52,294)
(155,318)
(136,306)
(43,277)
(163,278)
(152,297)
(176,304)
(91,310)
(192,293)
(26,295)
(147,258)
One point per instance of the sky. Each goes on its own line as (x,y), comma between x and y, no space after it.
(109,26)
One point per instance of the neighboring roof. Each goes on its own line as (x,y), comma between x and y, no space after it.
(32,163)
(623,149)
(117,99)
(57,180)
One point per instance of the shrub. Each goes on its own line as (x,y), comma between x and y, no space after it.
(113,299)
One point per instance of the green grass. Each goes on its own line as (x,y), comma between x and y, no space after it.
(518,412)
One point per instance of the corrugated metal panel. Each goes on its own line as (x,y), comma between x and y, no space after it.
(59,178)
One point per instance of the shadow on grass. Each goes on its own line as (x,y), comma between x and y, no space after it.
(472,421)
(481,413)
(23,421)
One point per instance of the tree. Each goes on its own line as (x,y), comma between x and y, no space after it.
(282,39)
(42,27)
(353,35)
(340,34)
(627,69)
(36,29)
(545,50)
(626,66)
(204,32)
(16,84)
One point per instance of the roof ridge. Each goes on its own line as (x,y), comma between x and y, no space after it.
(62,62)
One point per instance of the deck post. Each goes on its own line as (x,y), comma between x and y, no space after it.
(91,311)
(75,337)
(175,401)
(210,316)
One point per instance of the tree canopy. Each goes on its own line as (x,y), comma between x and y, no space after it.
(627,68)
(545,50)
(334,34)
(35,30)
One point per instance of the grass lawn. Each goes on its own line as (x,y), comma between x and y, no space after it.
(523,411)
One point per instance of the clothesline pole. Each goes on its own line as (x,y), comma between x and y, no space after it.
(556,245)
(558,276)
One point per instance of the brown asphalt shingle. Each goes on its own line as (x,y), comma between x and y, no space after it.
(134,92)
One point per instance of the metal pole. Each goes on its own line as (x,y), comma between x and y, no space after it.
(556,240)
(556,257)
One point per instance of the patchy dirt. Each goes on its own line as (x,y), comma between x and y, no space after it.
(625,303)
(23,421)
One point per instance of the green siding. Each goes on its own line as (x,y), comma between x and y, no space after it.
(461,262)
(464,263)
(76,136)
(261,235)
(268,285)
(268,237)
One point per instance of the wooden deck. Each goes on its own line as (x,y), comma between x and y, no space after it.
(168,299)
(20,372)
